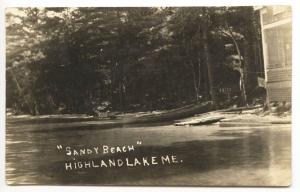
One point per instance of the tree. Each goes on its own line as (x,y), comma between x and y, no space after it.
(82,60)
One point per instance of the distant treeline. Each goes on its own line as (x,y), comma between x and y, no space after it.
(80,60)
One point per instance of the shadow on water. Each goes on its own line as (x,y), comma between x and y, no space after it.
(197,157)
(32,159)
(59,126)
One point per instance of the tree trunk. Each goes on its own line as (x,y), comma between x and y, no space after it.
(242,80)
(120,68)
(196,85)
(247,76)
(207,59)
(209,73)
(20,90)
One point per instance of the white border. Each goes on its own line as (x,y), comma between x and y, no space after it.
(138,3)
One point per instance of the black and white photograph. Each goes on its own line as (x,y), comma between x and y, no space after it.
(149,96)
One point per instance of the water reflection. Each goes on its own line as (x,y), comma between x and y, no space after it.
(211,155)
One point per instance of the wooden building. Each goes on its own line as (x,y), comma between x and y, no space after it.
(276,26)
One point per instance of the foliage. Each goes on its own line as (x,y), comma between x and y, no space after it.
(72,60)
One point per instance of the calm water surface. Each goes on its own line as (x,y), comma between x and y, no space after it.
(211,155)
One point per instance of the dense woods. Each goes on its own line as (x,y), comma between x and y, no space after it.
(82,60)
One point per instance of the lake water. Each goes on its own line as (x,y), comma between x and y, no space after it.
(209,155)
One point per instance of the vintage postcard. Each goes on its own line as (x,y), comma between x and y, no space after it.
(148,96)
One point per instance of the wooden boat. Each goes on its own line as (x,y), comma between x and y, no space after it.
(179,113)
